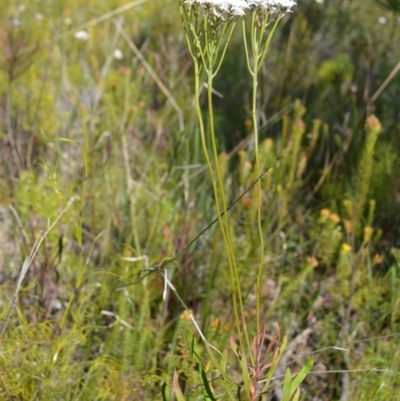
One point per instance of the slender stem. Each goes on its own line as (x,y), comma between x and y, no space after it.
(208,39)
(259,197)
(259,48)
(269,38)
(220,40)
(213,49)
(224,50)
(215,190)
(245,46)
(219,194)
(186,27)
(191,35)
(253,32)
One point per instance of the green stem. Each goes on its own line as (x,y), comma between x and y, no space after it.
(208,41)
(259,52)
(269,38)
(220,200)
(224,50)
(245,45)
(216,176)
(259,197)
(215,188)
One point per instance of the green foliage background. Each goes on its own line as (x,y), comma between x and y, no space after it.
(77,121)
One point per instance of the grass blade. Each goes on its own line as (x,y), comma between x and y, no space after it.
(287,385)
(301,375)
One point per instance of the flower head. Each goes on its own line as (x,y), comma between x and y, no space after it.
(81,35)
(234,8)
(285,5)
(272,6)
(231,8)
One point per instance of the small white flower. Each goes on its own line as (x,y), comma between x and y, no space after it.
(16,21)
(39,16)
(118,54)
(238,7)
(272,6)
(286,4)
(264,5)
(382,20)
(81,35)
(219,7)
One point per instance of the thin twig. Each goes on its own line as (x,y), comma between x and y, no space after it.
(27,263)
(385,84)
(170,285)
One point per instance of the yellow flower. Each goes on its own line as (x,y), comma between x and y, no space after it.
(186,315)
(346,247)
(325,212)
(334,217)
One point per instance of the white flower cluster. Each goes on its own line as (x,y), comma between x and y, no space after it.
(238,7)
(217,7)
(273,6)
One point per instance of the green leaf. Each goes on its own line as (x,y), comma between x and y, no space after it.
(164,392)
(196,357)
(234,347)
(296,395)
(287,385)
(225,379)
(301,375)
(277,356)
(245,376)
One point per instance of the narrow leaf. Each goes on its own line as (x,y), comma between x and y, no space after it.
(225,379)
(245,376)
(277,356)
(164,392)
(196,357)
(296,396)
(224,360)
(286,385)
(233,346)
(301,375)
